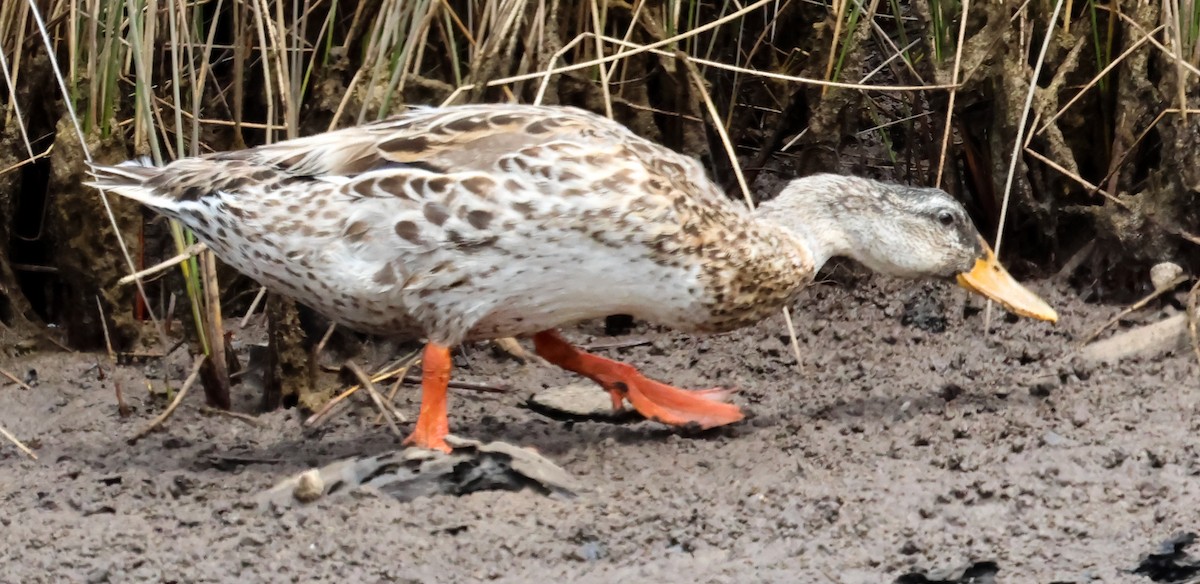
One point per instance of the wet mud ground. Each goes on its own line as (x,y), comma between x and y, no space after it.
(894,451)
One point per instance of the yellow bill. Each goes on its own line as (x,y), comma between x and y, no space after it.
(988,278)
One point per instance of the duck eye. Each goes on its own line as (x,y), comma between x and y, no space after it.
(945,218)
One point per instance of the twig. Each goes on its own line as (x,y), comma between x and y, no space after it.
(18,443)
(187,384)
(14,379)
(262,291)
(616,345)
(383,408)
(412,380)
(387,372)
(187,254)
(326,410)
(1144,341)
(1017,145)
(1096,79)
(122,409)
(792,339)
(324,339)
(955,72)
(702,89)
(209,410)
(168,317)
(112,355)
(1193,314)
(213,321)
(391,397)
(1133,307)
(399,373)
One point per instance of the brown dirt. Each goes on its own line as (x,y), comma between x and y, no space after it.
(895,450)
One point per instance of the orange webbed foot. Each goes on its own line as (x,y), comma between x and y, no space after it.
(433,423)
(705,408)
(657,401)
(430,442)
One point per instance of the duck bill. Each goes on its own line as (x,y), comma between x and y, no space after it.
(989,279)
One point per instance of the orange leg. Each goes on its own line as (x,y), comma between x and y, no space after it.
(657,401)
(432,423)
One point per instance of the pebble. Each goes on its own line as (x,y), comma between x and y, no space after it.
(577,400)
(1164,274)
(310,486)
(1052,438)
(1080,416)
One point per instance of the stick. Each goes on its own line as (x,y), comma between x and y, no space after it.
(1135,306)
(399,381)
(386,372)
(366,382)
(324,339)
(187,384)
(18,443)
(122,409)
(112,356)
(391,397)
(326,409)
(14,379)
(187,254)
(213,321)
(262,291)
(1147,340)
(1193,316)
(464,385)
(616,345)
(235,415)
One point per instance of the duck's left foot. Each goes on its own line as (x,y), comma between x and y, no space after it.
(433,423)
(657,401)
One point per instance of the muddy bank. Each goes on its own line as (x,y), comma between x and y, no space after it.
(895,449)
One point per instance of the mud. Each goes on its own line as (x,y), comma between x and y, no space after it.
(894,450)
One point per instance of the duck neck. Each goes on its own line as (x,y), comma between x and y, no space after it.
(814,225)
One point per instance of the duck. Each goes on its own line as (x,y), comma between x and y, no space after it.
(473,222)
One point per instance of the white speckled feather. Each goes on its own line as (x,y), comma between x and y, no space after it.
(480,222)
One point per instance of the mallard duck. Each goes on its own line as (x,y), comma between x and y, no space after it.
(477,222)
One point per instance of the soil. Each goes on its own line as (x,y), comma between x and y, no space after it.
(894,450)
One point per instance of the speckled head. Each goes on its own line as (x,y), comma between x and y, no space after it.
(898,230)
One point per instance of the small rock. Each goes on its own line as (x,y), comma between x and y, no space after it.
(1164,274)
(659,347)
(590,552)
(1052,438)
(309,487)
(1041,390)
(100,575)
(578,401)
(1113,458)
(1080,416)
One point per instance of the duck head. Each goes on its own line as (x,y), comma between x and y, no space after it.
(899,230)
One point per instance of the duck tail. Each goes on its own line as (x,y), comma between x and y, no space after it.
(130,179)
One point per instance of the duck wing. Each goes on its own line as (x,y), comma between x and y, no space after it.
(450,139)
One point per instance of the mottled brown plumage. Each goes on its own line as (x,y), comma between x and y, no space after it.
(487,221)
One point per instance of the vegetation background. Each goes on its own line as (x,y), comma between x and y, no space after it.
(1071,129)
